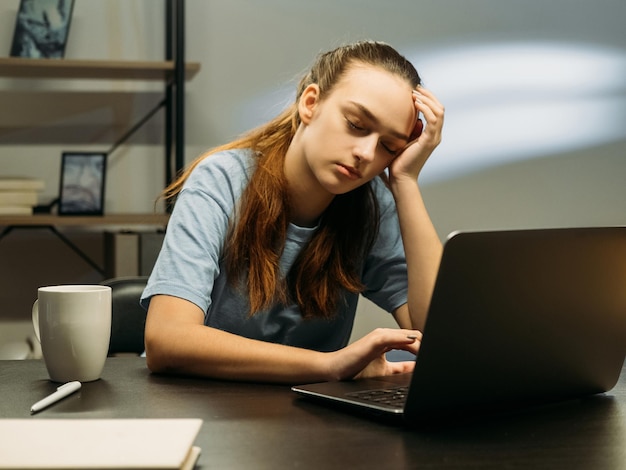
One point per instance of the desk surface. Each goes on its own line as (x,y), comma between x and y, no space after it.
(267,426)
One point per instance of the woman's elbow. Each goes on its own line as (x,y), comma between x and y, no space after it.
(162,356)
(156,358)
(165,336)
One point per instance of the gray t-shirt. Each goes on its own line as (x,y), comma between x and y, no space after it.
(189,265)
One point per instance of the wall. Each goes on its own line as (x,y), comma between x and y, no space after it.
(534,93)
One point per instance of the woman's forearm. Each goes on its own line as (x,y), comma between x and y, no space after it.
(177,342)
(422,248)
(208,352)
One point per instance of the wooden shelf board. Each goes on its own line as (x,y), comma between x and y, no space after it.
(18,67)
(58,221)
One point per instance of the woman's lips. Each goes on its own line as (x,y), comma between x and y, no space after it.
(349,171)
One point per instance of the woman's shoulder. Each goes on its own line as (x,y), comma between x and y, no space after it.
(232,160)
(232,167)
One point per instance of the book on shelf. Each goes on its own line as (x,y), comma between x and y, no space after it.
(16,210)
(11,183)
(18,196)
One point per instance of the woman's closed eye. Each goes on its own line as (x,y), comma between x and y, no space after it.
(389,149)
(356,127)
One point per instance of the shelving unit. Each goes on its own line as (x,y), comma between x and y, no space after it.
(173,71)
(53,222)
(74,221)
(18,67)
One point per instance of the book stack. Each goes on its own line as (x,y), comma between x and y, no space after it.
(18,196)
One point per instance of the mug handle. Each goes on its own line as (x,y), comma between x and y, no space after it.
(36,319)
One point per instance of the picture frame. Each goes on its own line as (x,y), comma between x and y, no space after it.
(42,28)
(82,183)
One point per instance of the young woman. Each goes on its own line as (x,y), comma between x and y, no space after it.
(274,236)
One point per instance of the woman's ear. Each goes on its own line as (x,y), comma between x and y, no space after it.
(308,102)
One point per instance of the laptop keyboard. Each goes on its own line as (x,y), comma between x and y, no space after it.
(394,397)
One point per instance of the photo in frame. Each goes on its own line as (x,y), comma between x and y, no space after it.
(42,28)
(82,183)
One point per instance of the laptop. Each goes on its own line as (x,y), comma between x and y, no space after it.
(517,318)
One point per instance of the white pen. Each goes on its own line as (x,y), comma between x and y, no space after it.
(62,392)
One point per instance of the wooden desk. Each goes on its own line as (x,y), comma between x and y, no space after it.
(266,426)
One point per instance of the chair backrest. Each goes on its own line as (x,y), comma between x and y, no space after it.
(128,318)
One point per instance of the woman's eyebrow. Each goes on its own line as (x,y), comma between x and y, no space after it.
(370,116)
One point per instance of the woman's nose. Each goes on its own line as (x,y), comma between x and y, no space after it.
(365,149)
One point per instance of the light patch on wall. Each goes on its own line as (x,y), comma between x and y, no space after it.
(261,107)
(506,102)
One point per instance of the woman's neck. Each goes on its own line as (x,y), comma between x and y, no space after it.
(307,198)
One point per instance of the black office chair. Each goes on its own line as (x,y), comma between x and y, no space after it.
(128,318)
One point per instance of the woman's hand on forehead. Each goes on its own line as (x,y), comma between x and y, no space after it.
(425,137)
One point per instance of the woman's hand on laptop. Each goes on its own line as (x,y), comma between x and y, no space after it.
(366,356)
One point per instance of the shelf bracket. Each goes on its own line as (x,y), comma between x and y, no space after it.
(80,253)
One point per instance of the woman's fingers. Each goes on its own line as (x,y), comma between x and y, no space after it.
(433,112)
(366,356)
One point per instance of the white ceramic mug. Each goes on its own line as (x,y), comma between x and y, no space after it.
(73,325)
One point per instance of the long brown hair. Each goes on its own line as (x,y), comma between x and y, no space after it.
(331,261)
